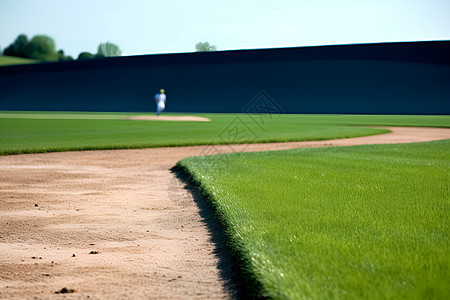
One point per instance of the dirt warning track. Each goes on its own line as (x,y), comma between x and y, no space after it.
(119,224)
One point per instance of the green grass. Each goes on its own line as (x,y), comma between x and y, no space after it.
(33,132)
(11,60)
(361,222)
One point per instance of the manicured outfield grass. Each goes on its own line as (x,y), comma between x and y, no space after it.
(46,131)
(361,222)
(11,60)
(33,132)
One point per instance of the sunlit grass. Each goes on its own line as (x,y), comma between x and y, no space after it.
(361,222)
(12,60)
(33,132)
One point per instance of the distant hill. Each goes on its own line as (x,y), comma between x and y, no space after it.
(11,60)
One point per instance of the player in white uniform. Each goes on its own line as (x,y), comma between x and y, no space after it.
(160,99)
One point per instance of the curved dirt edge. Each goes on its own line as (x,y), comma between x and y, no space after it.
(397,135)
(128,206)
(170,118)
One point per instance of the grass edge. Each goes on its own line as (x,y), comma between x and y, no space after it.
(250,286)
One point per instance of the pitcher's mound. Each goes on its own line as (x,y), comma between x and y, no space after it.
(169,118)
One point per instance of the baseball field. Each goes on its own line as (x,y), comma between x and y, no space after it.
(37,132)
(357,208)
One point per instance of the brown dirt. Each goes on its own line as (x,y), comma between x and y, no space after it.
(152,241)
(170,118)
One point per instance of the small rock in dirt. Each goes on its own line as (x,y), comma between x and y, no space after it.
(65,291)
(93,252)
(73,255)
(36,205)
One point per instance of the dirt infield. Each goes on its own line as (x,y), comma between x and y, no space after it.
(119,224)
(170,118)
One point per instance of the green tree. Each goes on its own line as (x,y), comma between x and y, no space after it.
(41,47)
(85,56)
(63,57)
(108,49)
(18,47)
(205,47)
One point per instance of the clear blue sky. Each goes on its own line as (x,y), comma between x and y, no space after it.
(146,26)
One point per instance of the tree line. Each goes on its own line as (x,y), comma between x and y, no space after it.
(205,47)
(43,48)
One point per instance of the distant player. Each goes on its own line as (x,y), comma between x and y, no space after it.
(160,99)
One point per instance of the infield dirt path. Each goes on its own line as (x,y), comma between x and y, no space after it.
(147,233)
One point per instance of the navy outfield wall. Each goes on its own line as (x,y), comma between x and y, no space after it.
(386,78)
